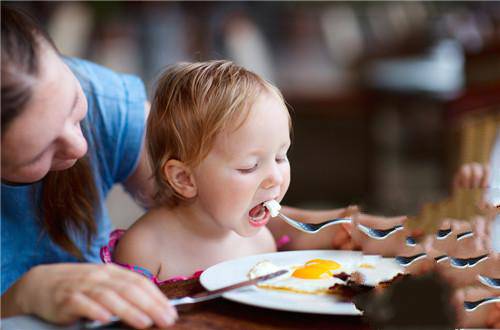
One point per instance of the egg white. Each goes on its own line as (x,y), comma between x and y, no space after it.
(289,283)
(376,269)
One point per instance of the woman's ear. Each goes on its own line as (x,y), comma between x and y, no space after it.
(180,177)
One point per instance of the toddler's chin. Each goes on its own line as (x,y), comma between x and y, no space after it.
(248,232)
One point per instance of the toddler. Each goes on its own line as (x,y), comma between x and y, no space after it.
(217,138)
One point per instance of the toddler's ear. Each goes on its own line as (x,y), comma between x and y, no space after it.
(180,177)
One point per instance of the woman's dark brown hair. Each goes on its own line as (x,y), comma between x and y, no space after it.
(69,198)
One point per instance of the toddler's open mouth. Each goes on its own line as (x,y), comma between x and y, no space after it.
(259,215)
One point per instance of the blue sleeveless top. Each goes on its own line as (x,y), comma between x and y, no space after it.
(116,123)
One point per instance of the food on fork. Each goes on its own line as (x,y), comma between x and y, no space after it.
(273,206)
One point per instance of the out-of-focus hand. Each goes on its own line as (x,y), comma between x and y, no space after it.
(472,175)
(484,316)
(386,247)
(63,293)
(493,320)
(342,238)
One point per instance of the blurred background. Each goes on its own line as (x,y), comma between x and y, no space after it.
(387,98)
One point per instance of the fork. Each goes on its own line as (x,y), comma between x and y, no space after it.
(384,233)
(312,228)
(407,261)
(471,306)
(489,281)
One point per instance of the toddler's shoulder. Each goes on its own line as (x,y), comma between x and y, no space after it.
(139,245)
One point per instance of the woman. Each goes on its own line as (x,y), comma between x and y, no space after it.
(70,130)
(54,110)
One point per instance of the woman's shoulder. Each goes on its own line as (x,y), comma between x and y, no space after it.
(103,82)
(115,120)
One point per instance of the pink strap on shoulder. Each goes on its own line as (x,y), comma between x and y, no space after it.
(107,257)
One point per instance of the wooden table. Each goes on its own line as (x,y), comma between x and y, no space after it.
(215,314)
(224,314)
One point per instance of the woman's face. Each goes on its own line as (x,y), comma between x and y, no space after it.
(46,136)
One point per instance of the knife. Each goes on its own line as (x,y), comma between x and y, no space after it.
(199,297)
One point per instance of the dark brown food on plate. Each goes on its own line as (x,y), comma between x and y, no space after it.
(355,285)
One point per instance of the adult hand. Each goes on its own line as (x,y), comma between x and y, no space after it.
(485,316)
(63,293)
(390,246)
(342,238)
(493,320)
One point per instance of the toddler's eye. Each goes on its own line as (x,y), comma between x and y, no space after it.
(247,170)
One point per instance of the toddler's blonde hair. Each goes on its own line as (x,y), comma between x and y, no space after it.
(192,104)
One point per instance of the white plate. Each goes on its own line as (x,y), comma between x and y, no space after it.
(233,271)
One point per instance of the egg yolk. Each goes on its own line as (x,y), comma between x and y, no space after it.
(316,269)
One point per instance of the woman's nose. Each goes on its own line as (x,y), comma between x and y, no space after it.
(274,178)
(73,143)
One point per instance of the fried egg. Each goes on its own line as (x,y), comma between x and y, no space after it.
(316,276)
(376,269)
(313,277)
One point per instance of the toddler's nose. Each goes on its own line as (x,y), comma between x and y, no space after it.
(274,178)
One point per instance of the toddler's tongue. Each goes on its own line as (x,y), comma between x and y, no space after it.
(256,211)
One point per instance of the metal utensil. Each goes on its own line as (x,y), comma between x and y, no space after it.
(489,281)
(379,233)
(407,261)
(199,297)
(464,235)
(443,233)
(411,241)
(312,228)
(441,258)
(467,262)
(471,306)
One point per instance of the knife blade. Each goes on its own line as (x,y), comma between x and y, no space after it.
(199,297)
(207,295)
